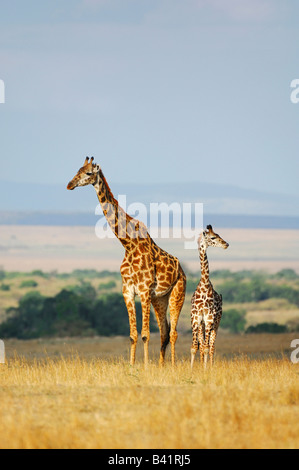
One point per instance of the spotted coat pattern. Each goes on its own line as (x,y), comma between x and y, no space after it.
(206,303)
(147,270)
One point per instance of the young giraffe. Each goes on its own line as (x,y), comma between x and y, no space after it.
(206,303)
(147,270)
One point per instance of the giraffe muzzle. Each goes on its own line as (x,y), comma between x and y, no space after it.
(70,185)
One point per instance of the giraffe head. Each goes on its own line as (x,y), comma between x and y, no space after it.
(210,238)
(87,174)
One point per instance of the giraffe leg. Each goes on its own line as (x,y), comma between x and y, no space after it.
(145,332)
(206,343)
(160,305)
(201,340)
(212,345)
(129,298)
(176,301)
(194,346)
(217,318)
(195,325)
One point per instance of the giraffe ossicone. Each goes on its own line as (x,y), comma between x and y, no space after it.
(147,270)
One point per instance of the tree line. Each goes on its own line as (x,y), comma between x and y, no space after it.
(83,310)
(72,312)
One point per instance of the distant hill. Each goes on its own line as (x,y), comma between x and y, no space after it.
(226,205)
(90,219)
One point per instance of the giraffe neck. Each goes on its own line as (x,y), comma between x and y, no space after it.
(124,227)
(205,273)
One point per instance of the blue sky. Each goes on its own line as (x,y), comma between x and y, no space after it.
(156,90)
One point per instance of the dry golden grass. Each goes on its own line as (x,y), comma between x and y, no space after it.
(79,400)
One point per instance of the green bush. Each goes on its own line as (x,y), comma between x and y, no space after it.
(221,273)
(93,273)
(267,328)
(233,320)
(288,274)
(84,290)
(29,283)
(38,272)
(4,286)
(25,321)
(256,290)
(71,312)
(107,285)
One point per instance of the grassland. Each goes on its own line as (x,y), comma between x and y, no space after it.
(83,394)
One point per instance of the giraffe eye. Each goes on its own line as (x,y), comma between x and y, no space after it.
(213,238)
(89,174)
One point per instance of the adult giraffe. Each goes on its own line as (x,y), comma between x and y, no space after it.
(147,270)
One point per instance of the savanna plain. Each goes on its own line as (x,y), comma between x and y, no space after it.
(75,392)
(78,399)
